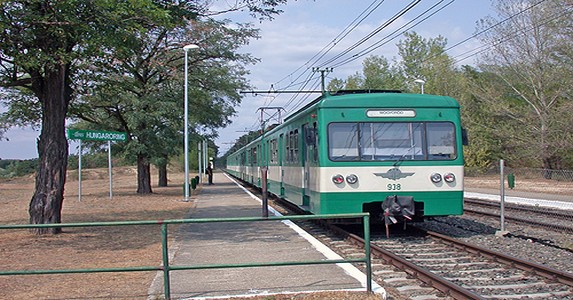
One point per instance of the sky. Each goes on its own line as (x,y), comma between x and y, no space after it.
(293,43)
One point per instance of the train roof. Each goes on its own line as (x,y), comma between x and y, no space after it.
(377,99)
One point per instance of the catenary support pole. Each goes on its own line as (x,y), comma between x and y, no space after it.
(199,161)
(205,157)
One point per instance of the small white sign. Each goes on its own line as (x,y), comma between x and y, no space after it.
(391,113)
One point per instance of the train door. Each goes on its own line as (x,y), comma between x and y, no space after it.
(243,165)
(253,170)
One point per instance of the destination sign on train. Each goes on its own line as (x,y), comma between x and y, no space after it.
(391,113)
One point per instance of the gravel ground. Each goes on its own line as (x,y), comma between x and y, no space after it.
(550,248)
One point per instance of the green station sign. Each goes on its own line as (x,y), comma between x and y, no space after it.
(97,135)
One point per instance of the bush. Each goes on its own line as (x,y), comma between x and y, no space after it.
(16,168)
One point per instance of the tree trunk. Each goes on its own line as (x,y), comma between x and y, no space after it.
(143,175)
(162,169)
(54,93)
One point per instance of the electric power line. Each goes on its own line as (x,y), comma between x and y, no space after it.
(394,34)
(347,30)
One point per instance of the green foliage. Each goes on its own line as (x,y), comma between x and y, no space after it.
(142,94)
(527,85)
(335,85)
(426,59)
(17,168)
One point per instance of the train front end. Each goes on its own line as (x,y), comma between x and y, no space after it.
(390,154)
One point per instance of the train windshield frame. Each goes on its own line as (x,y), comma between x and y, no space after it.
(392,141)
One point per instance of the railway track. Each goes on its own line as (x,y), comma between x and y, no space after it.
(543,217)
(429,265)
(459,270)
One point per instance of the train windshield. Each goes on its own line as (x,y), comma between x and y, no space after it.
(391,141)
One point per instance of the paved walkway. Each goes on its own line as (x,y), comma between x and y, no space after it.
(523,194)
(247,242)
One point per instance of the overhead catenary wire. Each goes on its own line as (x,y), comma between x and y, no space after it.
(295,101)
(364,39)
(343,34)
(304,86)
(475,35)
(517,33)
(384,25)
(394,34)
(305,97)
(427,13)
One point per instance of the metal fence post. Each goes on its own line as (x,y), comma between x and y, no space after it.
(166,269)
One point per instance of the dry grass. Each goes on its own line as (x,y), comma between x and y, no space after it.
(523,185)
(88,247)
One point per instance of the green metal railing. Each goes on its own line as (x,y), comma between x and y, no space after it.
(166,267)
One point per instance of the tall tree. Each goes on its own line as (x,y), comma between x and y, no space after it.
(420,58)
(380,74)
(147,90)
(531,89)
(42,39)
(377,73)
(425,59)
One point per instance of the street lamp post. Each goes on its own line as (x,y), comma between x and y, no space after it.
(421,82)
(186,131)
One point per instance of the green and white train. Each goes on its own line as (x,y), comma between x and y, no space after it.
(349,151)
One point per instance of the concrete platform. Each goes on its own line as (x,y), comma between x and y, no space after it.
(249,242)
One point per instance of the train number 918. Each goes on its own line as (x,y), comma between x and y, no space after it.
(394,186)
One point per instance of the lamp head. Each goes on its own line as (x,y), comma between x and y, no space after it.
(190,46)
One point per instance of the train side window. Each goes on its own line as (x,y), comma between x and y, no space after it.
(295,146)
(315,132)
(288,148)
(254,156)
(274,151)
(282,151)
(465,138)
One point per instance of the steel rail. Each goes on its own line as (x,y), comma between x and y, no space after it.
(522,220)
(553,213)
(448,288)
(529,266)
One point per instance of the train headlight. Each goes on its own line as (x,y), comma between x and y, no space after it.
(449,177)
(338,179)
(436,178)
(351,179)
